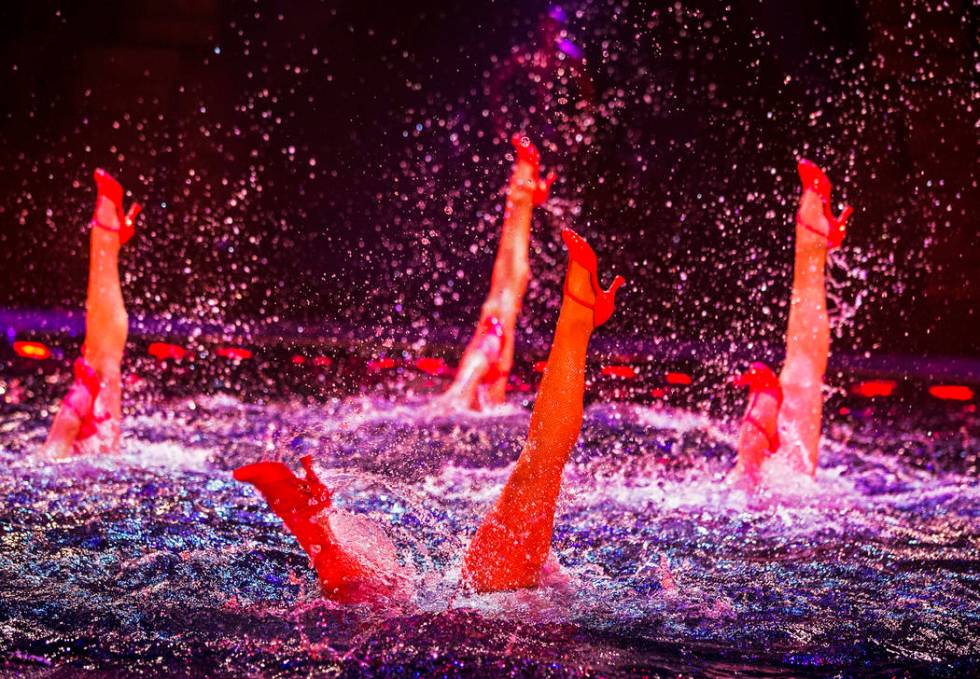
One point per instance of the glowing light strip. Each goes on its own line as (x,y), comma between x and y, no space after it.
(32,350)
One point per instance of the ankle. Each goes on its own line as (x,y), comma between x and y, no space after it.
(106,214)
(576,315)
(105,240)
(520,193)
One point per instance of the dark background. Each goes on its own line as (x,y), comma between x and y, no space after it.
(340,165)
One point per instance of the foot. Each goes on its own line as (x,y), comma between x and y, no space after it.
(582,286)
(812,224)
(579,298)
(817,227)
(106,214)
(109,214)
(758,434)
(301,504)
(526,184)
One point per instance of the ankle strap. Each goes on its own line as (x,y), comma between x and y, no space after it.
(96,224)
(576,298)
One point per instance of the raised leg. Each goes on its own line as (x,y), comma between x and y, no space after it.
(807,336)
(797,400)
(487,359)
(513,541)
(302,504)
(106,329)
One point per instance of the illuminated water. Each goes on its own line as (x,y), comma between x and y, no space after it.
(159,562)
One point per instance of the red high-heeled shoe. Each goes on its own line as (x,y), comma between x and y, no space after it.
(492,327)
(112,190)
(527,152)
(580,252)
(812,177)
(760,379)
(288,495)
(87,380)
(297,502)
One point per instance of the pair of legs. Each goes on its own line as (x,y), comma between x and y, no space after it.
(94,402)
(489,356)
(513,542)
(794,404)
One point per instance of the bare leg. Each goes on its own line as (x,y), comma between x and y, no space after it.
(106,329)
(511,273)
(490,353)
(807,336)
(512,544)
(797,400)
(106,326)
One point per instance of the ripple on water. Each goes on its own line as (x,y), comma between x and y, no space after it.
(157,559)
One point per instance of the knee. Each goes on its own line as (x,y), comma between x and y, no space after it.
(118,328)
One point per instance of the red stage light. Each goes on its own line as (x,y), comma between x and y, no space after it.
(236,353)
(298,360)
(539,366)
(658,392)
(381,364)
(677,378)
(626,372)
(951,392)
(162,351)
(32,350)
(322,361)
(872,388)
(431,365)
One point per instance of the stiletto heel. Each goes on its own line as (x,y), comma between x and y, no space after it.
(543,189)
(580,252)
(111,190)
(128,228)
(813,178)
(760,379)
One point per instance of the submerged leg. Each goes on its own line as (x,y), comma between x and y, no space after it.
(106,327)
(489,356)
(513,541)
(300,503)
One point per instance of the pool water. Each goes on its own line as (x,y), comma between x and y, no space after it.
(158,562)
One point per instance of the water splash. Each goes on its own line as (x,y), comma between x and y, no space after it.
(158,557)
